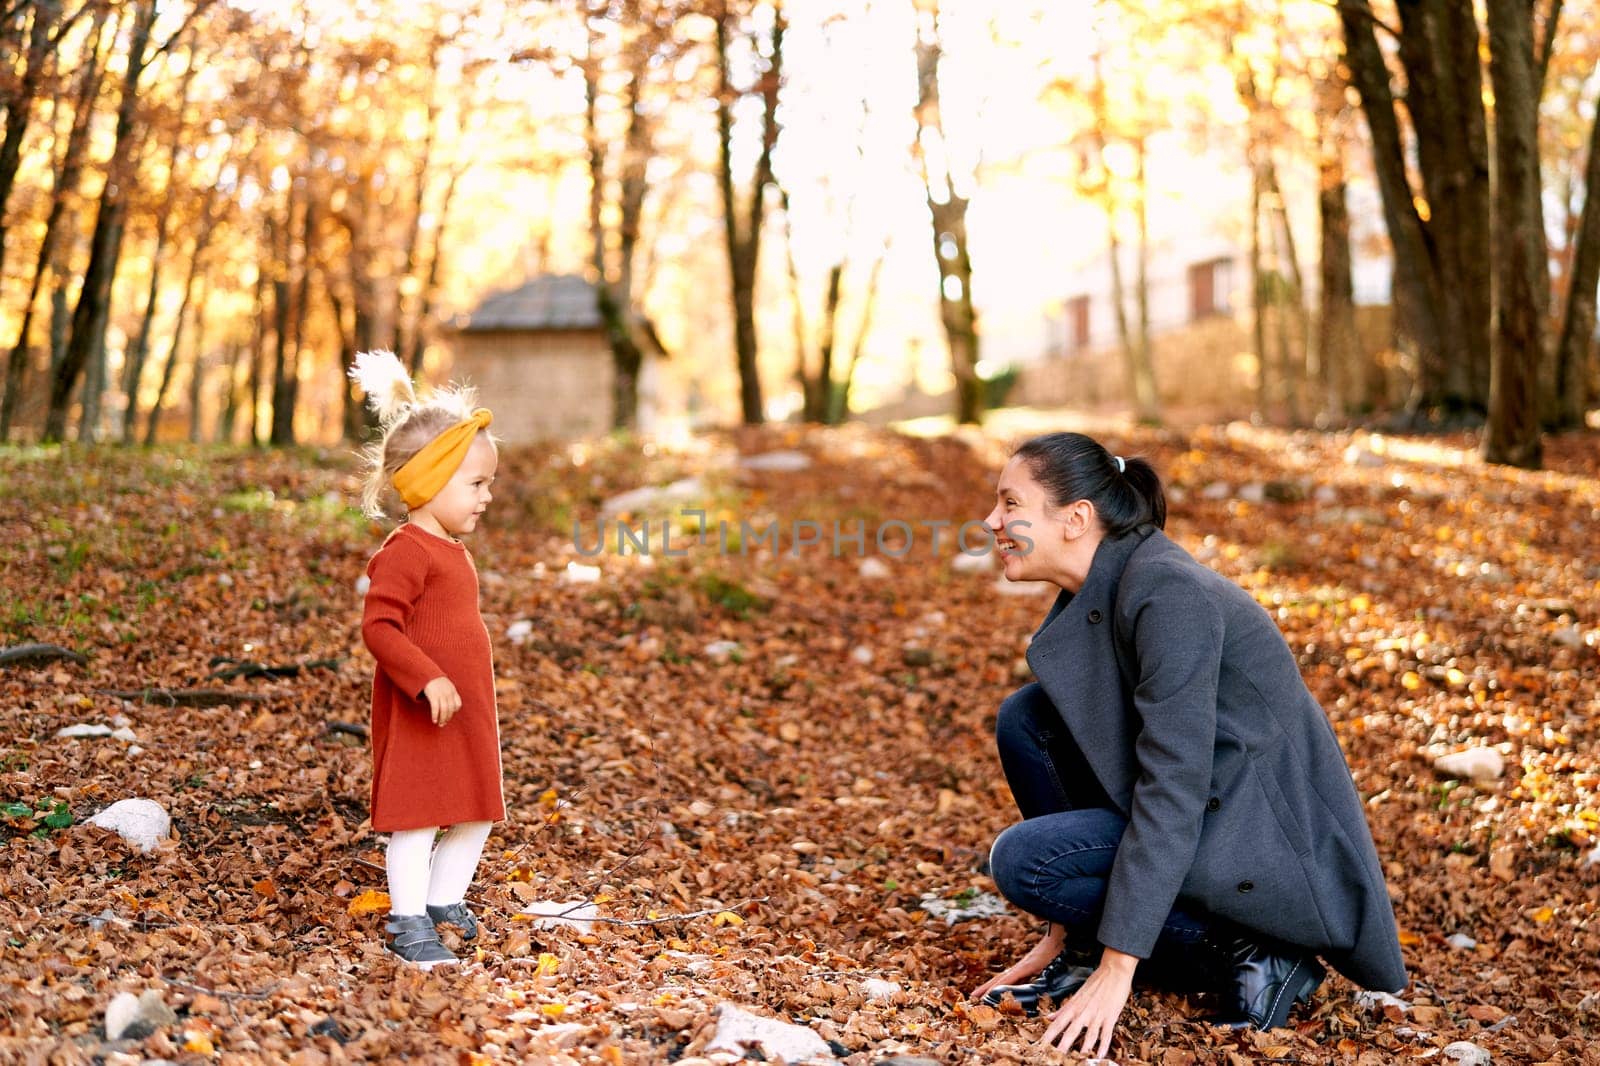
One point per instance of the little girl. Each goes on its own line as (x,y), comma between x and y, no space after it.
(435,740)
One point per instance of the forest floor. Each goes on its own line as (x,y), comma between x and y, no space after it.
(792,750)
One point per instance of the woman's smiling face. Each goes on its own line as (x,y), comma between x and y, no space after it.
(1036,541)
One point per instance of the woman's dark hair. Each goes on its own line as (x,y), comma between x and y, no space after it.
(1072,466)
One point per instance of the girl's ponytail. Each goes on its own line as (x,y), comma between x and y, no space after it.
(405,424)
(389,391)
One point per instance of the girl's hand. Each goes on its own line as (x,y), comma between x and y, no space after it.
(443,698)
(1092,1012)
(1035,960)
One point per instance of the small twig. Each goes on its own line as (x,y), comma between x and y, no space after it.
(29,654)
(222,994)
(251,668)
(632,922)
(355,729)
(184,697)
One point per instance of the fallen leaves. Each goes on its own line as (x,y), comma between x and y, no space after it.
(820,770)
(371,901)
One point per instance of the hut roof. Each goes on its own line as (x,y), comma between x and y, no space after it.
(549,301)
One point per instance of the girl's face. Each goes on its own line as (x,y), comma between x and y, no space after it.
(1038,542)
(455,510)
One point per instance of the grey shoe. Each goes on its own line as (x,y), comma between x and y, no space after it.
(414,939)
(457,915)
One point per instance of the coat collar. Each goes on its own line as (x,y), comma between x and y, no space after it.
(1100,585)
(1074,655)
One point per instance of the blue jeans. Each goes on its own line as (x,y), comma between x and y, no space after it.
(1055,863)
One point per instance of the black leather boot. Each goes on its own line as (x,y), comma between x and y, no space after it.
(1265,982)
(1065,975)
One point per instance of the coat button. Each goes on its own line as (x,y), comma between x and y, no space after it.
(1213,804)
(1094,616)
(1246,886)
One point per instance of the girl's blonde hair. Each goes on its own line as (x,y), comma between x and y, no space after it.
(405,424)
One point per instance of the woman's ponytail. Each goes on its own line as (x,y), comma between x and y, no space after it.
(1126,492)
(1147,483)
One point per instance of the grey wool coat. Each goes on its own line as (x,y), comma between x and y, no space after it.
(1188,704)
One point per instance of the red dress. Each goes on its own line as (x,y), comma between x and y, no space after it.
(421,621)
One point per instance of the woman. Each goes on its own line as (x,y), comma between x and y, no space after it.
(1182,793)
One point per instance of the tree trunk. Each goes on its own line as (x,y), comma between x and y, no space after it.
(1439,46)
(1521,271)
(839,401)
(1340,361)
(614,286)
(94,383)
(65,186)
(951,251)
(1293,342)
(258,349)
(105,246)
(19,105)
(197,364)
(744,239)
(202,241)
(133,370)
(1575,350)
(230,405)
(1415,284)
(1260,293)
(1146,400)
(430,283)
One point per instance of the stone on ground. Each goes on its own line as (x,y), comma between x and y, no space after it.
(738,1030)
(141,822)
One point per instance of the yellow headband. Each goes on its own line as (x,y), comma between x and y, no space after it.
(424,474)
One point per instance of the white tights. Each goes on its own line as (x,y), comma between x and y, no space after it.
(421,874)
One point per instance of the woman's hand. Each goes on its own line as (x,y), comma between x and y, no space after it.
(1035,960)
(1092,1012)
(443,698)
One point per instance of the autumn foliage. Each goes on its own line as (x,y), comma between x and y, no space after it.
(799,793)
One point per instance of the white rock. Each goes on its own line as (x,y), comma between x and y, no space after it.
(124,734)
(580,574)
(1326,494)
(654,497)
(1023,588)
(519,631)
(1255,492)
(1461,941)
(141,822)
(782,461)
(121,720)
(861,654)
(1358,456)
(134,749)
(84,729)
(979,905)
(1592,857)
(1474,764)
(226,581)
(874,569)
(878,988)
(1568,636)
(973,563)
(579,914)
(137,1016)
(120,1013)
(1217,490)
(1467,1054)
(722,649)
(363,583)
(1376,1001)
(737,1029)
